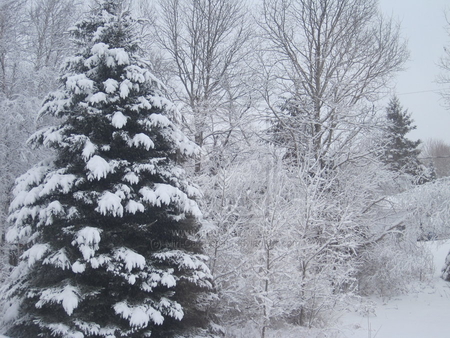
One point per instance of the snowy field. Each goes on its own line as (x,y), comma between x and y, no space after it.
(423,313)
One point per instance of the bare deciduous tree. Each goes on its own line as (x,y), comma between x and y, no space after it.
(443,77)
(47,39)
(50,20)
(437,152)
(33,42)
(206,41)
(11,44)
(332,56)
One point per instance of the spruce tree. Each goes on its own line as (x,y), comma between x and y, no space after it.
(401,154)
(446,269)
(109,222)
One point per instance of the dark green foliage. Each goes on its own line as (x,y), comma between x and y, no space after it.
(401,154)
(110,222)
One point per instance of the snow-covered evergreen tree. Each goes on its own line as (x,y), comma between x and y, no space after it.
(109,223)
(401,153)
(446,269)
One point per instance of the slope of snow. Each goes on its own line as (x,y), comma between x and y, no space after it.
(424,312)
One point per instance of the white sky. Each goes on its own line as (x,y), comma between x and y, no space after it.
(423,25)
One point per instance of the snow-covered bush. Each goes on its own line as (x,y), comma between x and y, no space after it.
(288,246)
(426,209)
(392,257)
(284,243)
(389,267)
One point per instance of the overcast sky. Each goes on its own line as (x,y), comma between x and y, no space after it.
(423,25)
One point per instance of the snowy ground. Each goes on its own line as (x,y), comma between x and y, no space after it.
(423,313)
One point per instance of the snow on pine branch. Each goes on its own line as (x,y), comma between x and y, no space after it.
(113,56)
(35,253)
(94,329)
(23,205)
(157,120)
(125,88)
(131,178)
(199,271)
(58,181)
(79,84)
(139,316)
(119,120)
(31,178)
(47,136)
(78,267)
(133,207)
(21,219)
(110,204)
(87,241)
(58,259)
(61,330)
(121,56)
(129,258)
(173,309)
(97,98)
(142,140)
(98,168)
(186,146)
(157,278)
(141,75)
(88,150)
(55,104)
(17,231)
(165,194)
(46,215)
(110,86)
(68,296)
(143,104)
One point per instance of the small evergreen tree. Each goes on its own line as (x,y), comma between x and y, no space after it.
(446,269)
(401,154)
(108,222)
